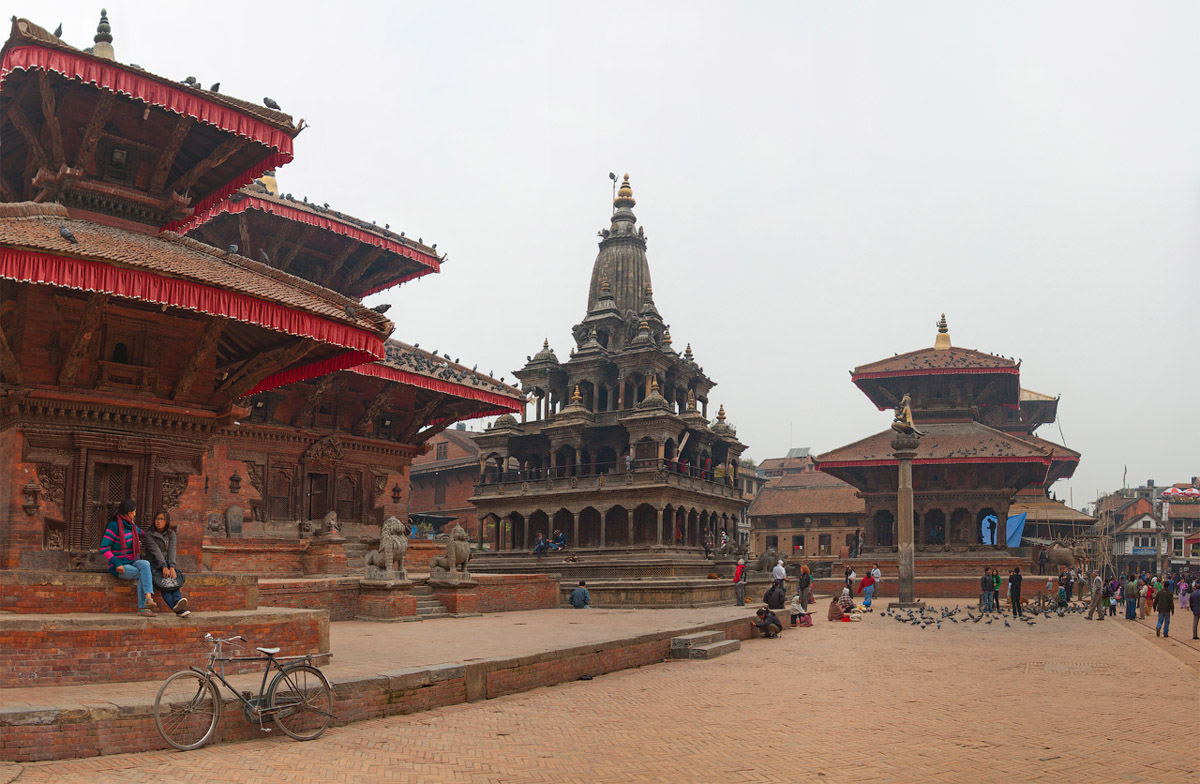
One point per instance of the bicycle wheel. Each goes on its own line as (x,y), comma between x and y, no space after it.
(300,701)
(187,709)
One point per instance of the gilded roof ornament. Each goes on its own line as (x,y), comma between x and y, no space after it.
(575,396)
(103,39)
(624,195)
(943,334)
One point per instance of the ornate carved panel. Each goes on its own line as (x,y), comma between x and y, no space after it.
(171,490)
(54,482)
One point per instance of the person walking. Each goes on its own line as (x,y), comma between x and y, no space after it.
(1146,594)
(1164,604)
(1114,595)
(804,586)
(1131,598)
(1098,597)
(868,590)
(1014,589)
(996,590)
(851,576)
(739,582)
(1194,605)
(985,591)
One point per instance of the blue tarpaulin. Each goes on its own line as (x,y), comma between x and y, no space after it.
(1015,527)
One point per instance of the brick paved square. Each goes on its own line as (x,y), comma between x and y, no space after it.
(873,701)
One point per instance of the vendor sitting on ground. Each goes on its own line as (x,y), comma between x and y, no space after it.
(797,611)
(835,609)
(768,623)
(846,601)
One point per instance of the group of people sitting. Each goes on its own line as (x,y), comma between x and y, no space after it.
(542,545)
(146,556)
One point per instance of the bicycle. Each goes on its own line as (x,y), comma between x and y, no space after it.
(299,699)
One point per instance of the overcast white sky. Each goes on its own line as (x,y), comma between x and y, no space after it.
(818,182)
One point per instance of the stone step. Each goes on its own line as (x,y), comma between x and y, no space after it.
(714,649)
(421,590)
(680,645)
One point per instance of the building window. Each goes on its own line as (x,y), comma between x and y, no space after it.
(773,541)
(1145,524)
(1177,547)
(1178,526)
(798,544)
(823,544)
(824,522)
(772,522)
(441,451)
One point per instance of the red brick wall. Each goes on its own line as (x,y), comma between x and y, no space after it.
(338,595)
(20,532)
(506,593)
(263,557)
(70,592)
(41,653)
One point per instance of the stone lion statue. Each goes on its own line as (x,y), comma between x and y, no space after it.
(458,552)
(766,561)
(732,548)
(387,563)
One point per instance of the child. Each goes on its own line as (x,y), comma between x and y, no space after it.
(795,609)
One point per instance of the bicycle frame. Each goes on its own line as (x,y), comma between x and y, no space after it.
(271,662)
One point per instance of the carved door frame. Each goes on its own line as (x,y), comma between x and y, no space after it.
(98,512)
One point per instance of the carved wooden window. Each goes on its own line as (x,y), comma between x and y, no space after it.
(280,495)
(110,480)
(347,497)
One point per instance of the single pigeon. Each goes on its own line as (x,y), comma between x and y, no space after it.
(263,257)
(350,310)
(233,248)
(216,87)
(58,31)
(270,103)
(66,234)
(384,308)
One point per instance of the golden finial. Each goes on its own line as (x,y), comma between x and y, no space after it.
(624,194)
(667,336)
(605,288)
(576,397)
(546,343)
(649,291)
(654,384)
(644,326)
(943,335)
(721,414)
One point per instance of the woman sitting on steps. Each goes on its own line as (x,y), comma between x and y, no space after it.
(121,545)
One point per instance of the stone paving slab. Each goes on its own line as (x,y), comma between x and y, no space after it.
(839,702)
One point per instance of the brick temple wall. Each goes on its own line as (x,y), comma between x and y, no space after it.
(506,593)
(337,595)
(100,592)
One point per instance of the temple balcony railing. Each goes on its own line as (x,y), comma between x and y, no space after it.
(641,473)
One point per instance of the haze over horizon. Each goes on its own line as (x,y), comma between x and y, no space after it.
(818,182)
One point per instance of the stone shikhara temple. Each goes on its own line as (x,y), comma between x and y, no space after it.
(621,457)
(978,456)
(175,331)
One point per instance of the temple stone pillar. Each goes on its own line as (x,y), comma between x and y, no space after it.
(575,530)
(904,447)
(603,526)
(658,529)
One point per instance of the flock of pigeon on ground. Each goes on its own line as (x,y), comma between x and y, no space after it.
(935,616)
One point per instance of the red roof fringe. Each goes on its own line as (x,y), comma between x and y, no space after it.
(120,79)
(323,367)
(86,275)
(320,221)
(503,404)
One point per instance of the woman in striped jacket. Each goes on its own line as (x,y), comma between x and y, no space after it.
(121,545)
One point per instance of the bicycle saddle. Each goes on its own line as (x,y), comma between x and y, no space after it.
(267,651)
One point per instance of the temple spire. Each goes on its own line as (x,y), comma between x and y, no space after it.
(621,261)
(103,39)
(943,335)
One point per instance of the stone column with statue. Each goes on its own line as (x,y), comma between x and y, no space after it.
(904,447)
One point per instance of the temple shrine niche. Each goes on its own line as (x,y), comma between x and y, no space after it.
(975,455)
(620,455)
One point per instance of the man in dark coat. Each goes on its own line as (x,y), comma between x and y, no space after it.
(1014,584)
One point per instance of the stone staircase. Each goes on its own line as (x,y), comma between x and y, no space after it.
(428,606)
(702,645)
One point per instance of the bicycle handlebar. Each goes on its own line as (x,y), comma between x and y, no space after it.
(209,638)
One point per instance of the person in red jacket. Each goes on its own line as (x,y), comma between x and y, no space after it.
(739,582)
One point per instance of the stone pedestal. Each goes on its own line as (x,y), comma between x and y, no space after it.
(326,555)
(386,600)
(905,449)
(456,591)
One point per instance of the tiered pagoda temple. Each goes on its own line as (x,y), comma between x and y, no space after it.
(621,454)
(172,327)
(977,452)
